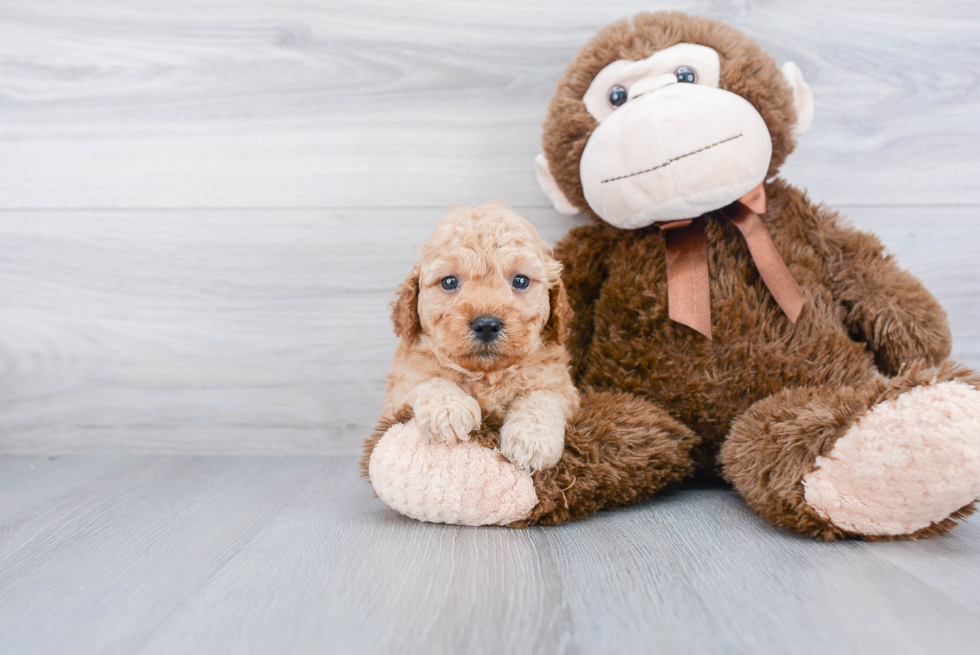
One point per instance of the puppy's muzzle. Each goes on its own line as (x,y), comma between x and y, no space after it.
(486,328)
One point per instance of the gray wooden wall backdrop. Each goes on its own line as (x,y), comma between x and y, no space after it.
(206,204)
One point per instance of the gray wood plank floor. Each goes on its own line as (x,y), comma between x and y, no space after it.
(264,555)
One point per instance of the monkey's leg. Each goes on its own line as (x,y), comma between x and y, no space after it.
(619,449)
(897,459)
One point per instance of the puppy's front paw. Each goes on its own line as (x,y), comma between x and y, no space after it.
(530,444)
(447,417)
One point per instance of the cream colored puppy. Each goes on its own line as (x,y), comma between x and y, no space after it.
(482,320)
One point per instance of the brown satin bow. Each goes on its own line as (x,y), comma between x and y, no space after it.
(688,291)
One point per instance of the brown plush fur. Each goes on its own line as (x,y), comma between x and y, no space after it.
(619,450)
(854,294)
(799,385)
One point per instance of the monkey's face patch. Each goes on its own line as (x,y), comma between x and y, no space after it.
(670,143)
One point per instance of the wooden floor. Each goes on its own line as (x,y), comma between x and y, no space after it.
(156,554)
(205,207)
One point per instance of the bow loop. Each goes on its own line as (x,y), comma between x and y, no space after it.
(688,285)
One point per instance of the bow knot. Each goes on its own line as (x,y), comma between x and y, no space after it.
(688,287)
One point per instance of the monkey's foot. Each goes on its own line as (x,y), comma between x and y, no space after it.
(904,466)
(438,482)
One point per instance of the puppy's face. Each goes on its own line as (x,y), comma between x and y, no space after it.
(488,291)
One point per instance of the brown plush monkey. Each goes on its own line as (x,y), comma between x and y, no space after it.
(721,325)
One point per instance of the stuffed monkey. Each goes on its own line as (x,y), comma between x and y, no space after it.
(723,322)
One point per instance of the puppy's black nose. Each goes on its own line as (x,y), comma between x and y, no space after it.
(486,328)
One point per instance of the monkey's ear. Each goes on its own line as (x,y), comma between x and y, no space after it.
(405,310)
(550,187)
(558,327)
(802,97)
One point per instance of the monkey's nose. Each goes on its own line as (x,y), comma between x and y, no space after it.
(486,328)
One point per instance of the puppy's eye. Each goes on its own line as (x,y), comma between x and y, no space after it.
(686,75)
(521,282)
(618,95)
(449,282)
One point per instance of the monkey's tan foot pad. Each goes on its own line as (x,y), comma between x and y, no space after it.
(462,483)
(905,465)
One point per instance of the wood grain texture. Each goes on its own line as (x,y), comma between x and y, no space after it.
(228,103)
(701,556)
(285,555)
(27,481)
(268,331)
(98,568)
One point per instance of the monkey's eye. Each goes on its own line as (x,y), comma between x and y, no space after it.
(449,283)
(618,95)
(521,282)
(686,75)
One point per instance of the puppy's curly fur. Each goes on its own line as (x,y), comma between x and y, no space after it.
(450,379)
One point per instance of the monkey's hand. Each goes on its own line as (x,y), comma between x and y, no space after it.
(884,306)
(901,331)
(533,434)
(444,412)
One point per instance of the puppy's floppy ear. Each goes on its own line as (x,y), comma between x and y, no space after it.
(405,310)
(557,328)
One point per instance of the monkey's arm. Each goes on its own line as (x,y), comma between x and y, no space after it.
(886,307)
(582,253)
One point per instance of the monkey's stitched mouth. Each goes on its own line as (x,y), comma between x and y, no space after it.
(673,159)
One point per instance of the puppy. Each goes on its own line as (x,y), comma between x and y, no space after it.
(482,320)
